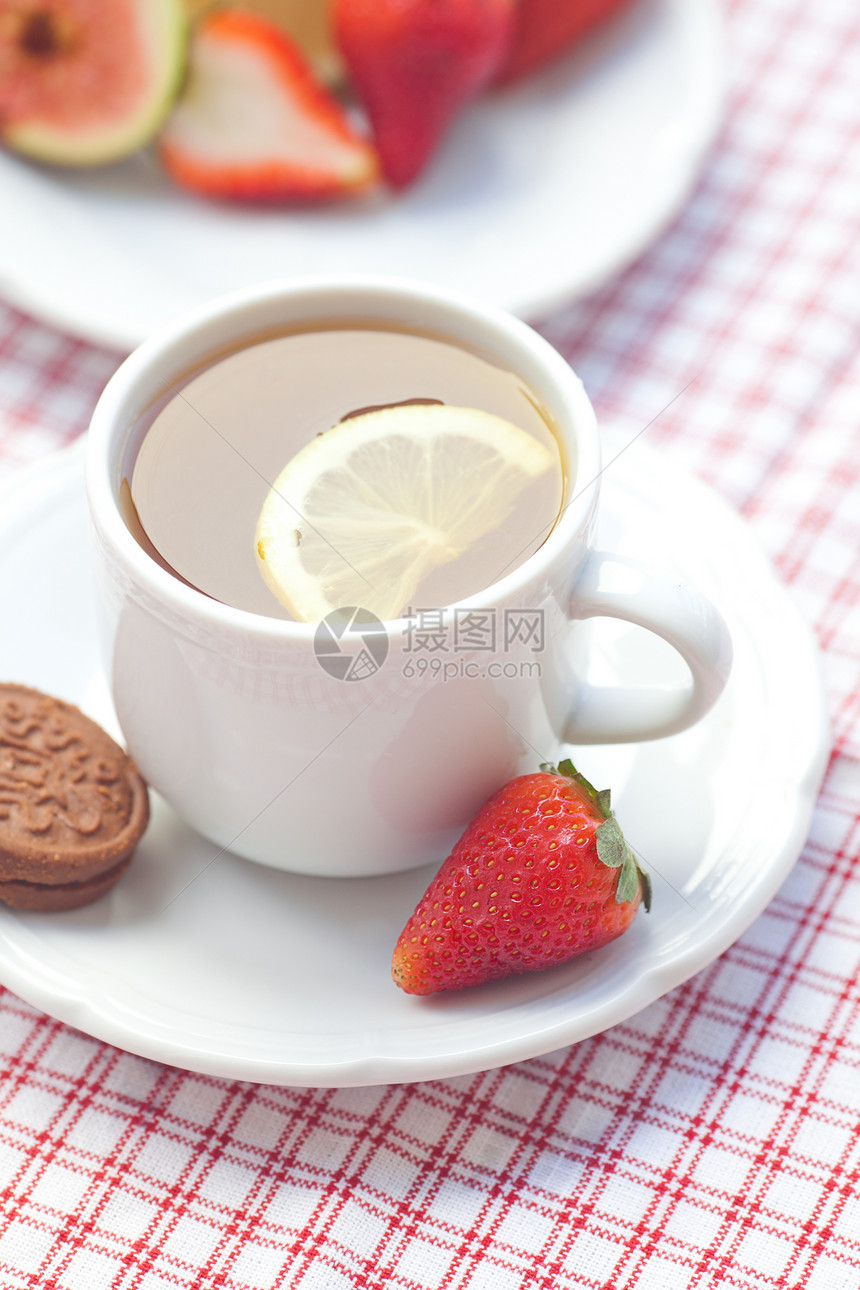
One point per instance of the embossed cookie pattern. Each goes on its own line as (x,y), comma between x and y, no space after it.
(72,804)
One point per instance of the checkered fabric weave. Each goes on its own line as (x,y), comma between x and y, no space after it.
(714,1139)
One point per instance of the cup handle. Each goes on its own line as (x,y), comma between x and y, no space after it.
(613,586)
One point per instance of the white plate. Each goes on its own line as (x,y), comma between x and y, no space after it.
(247,973)
(539,194)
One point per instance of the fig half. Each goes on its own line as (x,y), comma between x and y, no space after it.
(85,82)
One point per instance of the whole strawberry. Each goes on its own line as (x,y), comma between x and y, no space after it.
(414,64)
(546,28)
(542,874)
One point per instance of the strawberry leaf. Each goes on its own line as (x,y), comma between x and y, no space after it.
(612,850)
(628,882)
(645,882)
(599,798)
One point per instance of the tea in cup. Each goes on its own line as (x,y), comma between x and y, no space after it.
(209,457)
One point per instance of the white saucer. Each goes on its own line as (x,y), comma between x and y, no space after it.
(539,193)
(246,973)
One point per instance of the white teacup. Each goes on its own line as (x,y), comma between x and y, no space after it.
(260,745)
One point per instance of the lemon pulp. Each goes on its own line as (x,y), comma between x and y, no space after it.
(365,511)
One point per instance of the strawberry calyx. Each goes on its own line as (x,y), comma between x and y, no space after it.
(613,849)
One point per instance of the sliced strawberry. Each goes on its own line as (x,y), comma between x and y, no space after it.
(546,28)
(253,123)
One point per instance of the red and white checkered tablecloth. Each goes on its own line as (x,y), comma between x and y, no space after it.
(713,1140)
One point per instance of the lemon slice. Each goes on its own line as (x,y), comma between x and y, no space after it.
(365,511)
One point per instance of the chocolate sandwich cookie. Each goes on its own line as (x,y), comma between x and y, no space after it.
(72,804)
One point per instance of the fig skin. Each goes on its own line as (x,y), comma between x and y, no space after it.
(88,82)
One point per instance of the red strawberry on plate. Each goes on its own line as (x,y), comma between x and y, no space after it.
(542,873)
(545,28)
(253,124)
(414,64)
